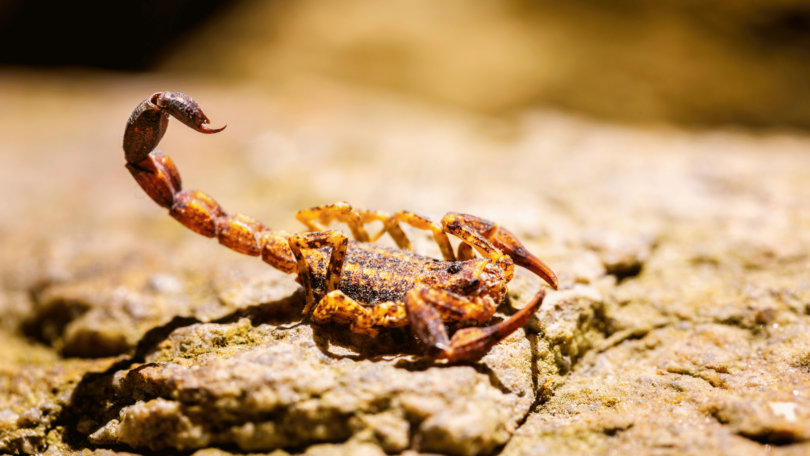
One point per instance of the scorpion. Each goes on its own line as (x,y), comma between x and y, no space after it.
(356,282)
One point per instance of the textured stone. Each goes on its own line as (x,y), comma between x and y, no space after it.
(35,389)
(263,388)
(702,349)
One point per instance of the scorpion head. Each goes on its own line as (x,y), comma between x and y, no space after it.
(478,277)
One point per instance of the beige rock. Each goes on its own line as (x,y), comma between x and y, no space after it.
(704,350)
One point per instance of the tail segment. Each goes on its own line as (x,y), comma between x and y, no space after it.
(159,178)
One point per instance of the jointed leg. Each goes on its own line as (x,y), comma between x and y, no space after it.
(337,306)
(390,226)
(343,309)
(318,240)
(425,309)
(390,314)
(341,211)
(317,218)
(465,252)
(424,223)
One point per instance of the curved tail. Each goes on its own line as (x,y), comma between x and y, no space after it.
(158,177)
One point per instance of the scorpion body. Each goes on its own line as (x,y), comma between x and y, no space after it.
(355,282)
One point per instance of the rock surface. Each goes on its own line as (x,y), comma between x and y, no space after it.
(682,324)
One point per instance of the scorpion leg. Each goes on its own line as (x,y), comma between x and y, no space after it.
(465,252)
(390,314)
(339,307)
(318,240)
(341,211)
(390,226)
(158,177)
(424,223)
(316,218)
(493,242)
(428,307)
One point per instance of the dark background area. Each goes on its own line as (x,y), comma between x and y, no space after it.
(686,62)
(111,35)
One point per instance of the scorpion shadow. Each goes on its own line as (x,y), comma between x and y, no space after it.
(336,341)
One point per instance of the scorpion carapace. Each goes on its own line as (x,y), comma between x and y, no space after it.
(359,283)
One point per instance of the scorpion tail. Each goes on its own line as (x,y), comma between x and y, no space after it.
(159,178)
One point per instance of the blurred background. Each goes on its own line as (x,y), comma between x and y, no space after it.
(684,61)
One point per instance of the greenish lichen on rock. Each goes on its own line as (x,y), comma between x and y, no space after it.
(35,389)
(285,392)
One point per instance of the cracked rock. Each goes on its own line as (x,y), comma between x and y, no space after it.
(286,392)
(120,331)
